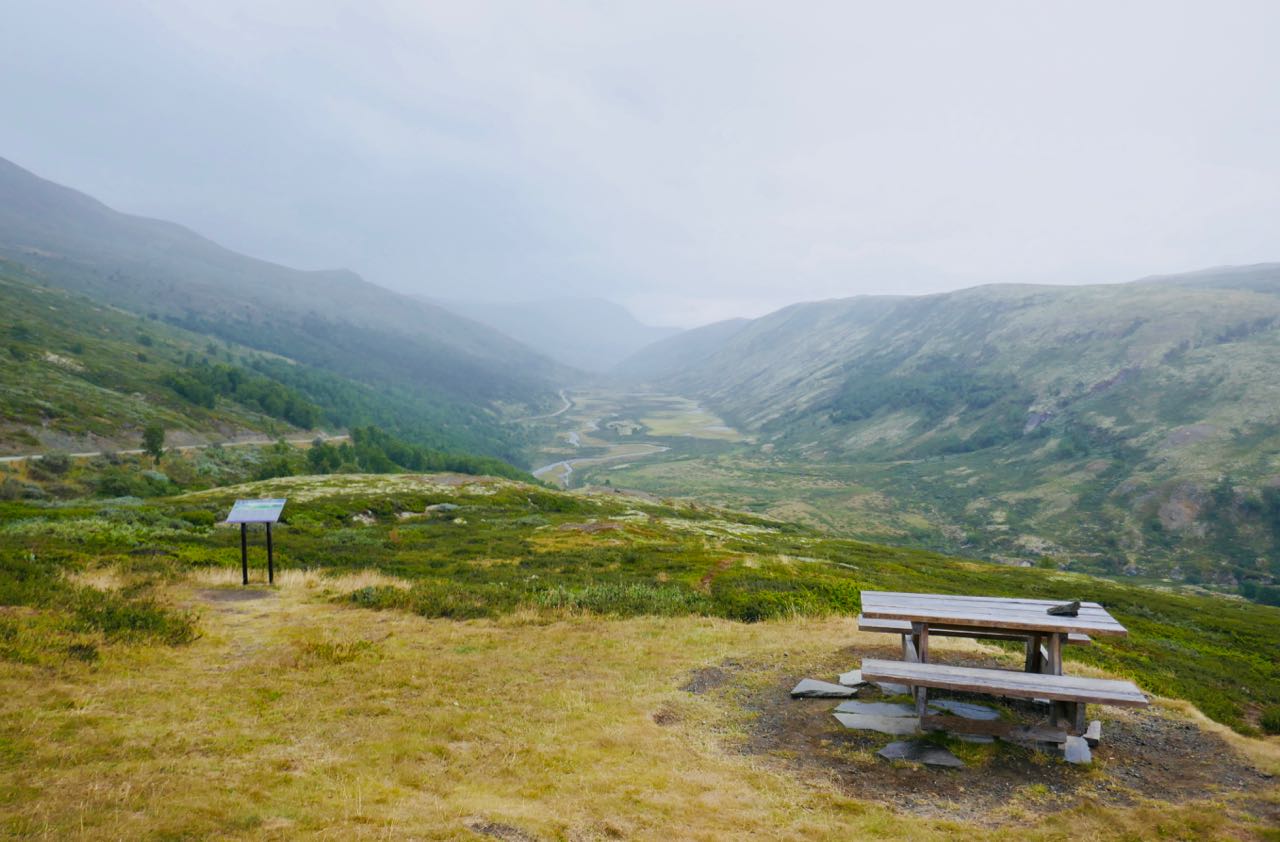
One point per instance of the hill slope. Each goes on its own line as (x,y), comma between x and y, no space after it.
(678,352)
(1128,427)
(332,319)
(81,376)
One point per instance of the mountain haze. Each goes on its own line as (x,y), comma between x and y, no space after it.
(331,318)
(421,371)
(587,333)
(677,352)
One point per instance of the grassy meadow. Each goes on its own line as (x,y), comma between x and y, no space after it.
(458,657)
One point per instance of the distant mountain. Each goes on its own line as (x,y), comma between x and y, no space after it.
(675,353)
(1119,424)
(331,320)
(588,333)
(1260,277)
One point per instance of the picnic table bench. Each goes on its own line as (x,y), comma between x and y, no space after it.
(916,616)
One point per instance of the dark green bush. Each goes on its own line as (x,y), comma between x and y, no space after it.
(198,517)
(1270,720)
(625,600)
(121,618)
(55,462)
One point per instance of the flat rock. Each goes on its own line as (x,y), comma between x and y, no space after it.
(967,710)
(810,688)
(442,507)
(1093,734)
(891,689)
(1076,750)
(852,678)
(877,709)
(921,752)
(892,725)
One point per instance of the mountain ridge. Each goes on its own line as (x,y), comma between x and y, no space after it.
(1129,427)
(154,266)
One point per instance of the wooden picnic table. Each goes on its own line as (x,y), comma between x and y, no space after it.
(1028,618)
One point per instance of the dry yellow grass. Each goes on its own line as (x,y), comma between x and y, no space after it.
(294,717)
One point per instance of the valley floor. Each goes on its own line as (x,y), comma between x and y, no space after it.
(295,716)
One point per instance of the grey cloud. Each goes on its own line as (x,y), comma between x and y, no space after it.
(695,160)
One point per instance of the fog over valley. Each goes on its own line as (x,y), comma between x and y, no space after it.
(704,420)
(693,162)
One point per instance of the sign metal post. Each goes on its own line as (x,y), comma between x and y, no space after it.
(266,512)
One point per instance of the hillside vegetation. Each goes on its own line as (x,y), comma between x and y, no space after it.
(444,653)
(426,366)
(491,546)
(76,374)
(79,376)
(1131,428)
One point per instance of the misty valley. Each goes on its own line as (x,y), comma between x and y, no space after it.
(565,422)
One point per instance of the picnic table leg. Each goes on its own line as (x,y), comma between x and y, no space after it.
(1033,654)
(1055,653)
(920,632)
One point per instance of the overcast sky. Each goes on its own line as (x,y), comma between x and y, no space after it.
(692,160)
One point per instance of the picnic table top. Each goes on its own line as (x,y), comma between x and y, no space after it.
(988,612)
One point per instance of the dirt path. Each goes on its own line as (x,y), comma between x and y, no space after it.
(568,404)
(630,450)
(91,453)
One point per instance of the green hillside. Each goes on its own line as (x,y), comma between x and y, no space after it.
(331,320)
(1129,428)
(74,374)
(79,376)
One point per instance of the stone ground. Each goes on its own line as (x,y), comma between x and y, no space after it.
(1145,754)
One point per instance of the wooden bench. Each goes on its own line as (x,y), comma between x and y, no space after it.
(904,627)
(1069,693)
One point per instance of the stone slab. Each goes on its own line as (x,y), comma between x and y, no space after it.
(810,688)
(892,725)
(852,678)
(877,708)
(891,689)
(921,752)
(1076,750)
(967,710)
(1093,734)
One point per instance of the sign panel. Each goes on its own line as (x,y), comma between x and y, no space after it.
(256,511)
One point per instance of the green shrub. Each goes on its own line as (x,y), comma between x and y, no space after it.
(625,600)
(1270,720)
(461,601)
(12,489)
(120,618)
(55,463)
(198,517)
(441,598)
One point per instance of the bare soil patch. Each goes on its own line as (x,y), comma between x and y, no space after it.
(706,679)
(1145,754)
(234,594)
